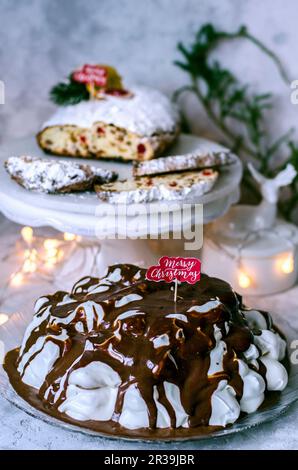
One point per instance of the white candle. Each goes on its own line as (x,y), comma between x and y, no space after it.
(266,265)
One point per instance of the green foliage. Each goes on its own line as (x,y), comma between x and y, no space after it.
(69,93)
(238,112)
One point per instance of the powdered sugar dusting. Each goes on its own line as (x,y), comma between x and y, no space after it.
(189,161)
(146,113)
(172,187)
(51,176)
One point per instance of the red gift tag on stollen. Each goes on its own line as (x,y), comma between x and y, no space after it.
(95,74)
(175,268)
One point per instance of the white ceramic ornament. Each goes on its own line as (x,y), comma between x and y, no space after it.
(254,250)
(243,219)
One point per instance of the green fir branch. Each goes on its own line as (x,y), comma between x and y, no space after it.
(239,114)
(64,94)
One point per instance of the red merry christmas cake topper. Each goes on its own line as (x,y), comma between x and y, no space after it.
(175,269)
(96,74)
(90,81)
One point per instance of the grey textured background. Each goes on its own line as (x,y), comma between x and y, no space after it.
(42,40)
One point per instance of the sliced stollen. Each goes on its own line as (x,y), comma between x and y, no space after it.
(175,186)
(190,161)
(138,127)
(55,176)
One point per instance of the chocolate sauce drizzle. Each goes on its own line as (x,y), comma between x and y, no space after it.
(127,345)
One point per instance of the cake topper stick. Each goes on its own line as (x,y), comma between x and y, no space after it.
(176,290)
(92,91)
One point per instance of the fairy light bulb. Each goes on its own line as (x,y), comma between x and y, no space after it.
(287,266)
(52,253)
(69,237)
(29,266)
(286,263)
(3,318)
(50,263)
(244,280)
(27,234)
(30,254)
(17,279)
(50,244)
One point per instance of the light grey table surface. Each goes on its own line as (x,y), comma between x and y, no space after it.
(21,431)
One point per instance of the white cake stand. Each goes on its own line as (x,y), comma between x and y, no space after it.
(80,213)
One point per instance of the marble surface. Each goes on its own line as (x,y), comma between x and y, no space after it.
(20,431)
(42,41)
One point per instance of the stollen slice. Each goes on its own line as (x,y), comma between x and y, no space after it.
(190,161)
(175,186)
(55,176)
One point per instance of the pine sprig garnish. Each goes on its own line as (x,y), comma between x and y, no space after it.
(70,93)
(238,113)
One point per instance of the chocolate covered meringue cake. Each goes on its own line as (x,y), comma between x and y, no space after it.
(119,356)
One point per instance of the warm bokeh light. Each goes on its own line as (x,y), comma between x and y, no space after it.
(285,263)
(50,244)
(244,280)
(3,318)
(53,256)
(27,234)
(47,259)
(29,266)
(69,237)
(50,262)
(30,254)
(17,279)
(52,253)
